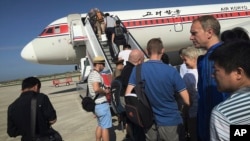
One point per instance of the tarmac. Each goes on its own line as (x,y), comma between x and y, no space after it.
(73,123)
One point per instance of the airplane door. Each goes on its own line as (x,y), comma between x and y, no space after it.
(178,25)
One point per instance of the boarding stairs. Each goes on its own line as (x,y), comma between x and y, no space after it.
(82,34)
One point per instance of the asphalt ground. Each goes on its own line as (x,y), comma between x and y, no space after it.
(73,123)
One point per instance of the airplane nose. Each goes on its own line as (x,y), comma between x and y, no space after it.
(28,53)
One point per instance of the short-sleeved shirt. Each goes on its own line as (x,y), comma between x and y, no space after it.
(161,83)
(95,76)
(109,21)
(19,115)
(233,111)
(124,54)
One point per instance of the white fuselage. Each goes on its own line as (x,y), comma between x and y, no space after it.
(172,25)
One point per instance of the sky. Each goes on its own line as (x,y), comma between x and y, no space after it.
(23,20)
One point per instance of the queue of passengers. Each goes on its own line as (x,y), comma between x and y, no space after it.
(206,90)
(213,90)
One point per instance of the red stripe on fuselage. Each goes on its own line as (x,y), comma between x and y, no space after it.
(169,20)
(135,23)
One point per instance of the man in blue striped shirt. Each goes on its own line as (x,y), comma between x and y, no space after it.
(232,74)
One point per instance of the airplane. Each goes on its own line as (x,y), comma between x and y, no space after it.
(54,45)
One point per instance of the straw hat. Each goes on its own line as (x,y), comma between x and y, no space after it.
(99,59)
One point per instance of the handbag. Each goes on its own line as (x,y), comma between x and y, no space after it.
(88,104)
(52,135)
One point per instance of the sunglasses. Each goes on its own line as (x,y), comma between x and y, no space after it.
(103,64)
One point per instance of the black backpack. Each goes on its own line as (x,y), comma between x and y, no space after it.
(117,97)
(119,34)
(138,108)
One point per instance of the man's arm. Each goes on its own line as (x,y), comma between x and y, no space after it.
(185,97)
(12,130)
(98,89)
(131,81)
(129,89)
(113,37)
(48,110)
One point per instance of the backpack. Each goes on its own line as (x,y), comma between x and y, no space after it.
(117,103)
(119,32)
(138,108)
(99,16)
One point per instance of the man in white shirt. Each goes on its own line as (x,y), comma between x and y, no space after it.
(124,54)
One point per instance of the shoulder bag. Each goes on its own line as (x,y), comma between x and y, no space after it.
(88,104)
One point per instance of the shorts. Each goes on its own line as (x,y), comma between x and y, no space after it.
(165,133)
(103,115)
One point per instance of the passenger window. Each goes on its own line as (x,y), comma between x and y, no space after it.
(57,29)
(157,22)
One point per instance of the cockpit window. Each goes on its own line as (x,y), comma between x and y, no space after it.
(42,32)
(50,30)
(47,31)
